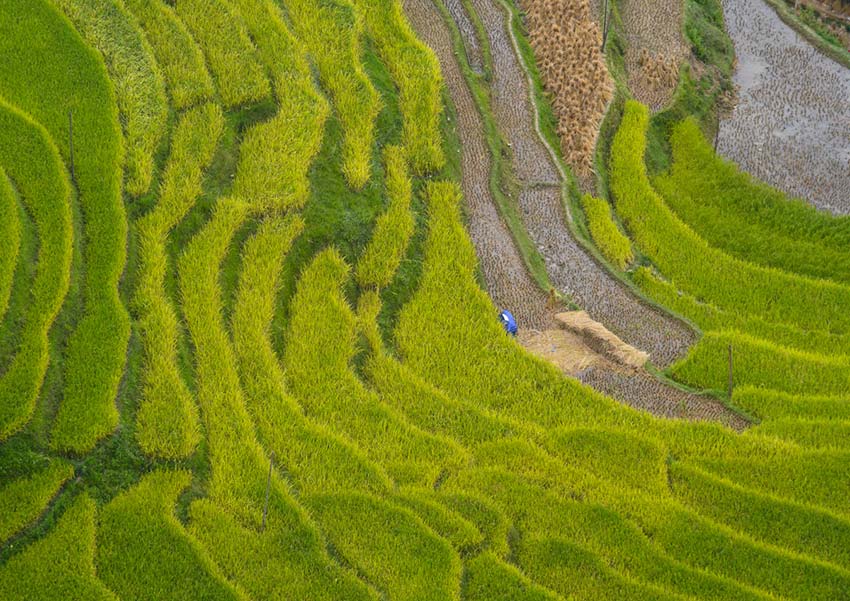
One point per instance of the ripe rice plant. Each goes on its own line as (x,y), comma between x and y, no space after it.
(394,228)
(144,552)
(774,404)
(48,89)
(331,34)
(316,459)
(485,515)
(231,55)
(461,534)
(709,317)
(319,351)
(807,530)
(615,246)
(416,72)
(59,566)
(22,500)
(818,478)
(570,570)
(167,421)
(488,578)
(255,562)
(390,546)
(274,156)
(821,434)
(761,363)
(32,161)
(725,206)
(696,267)
(176,52)
(598,534)
(227,521)
(139,85)
(237,461)
(10,233)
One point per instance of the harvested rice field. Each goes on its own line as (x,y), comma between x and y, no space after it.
(789,123)
(303,300)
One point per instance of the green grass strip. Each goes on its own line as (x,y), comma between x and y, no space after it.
(774,404)
(416,72)
(331,33)
(145,554)
(760,363)
(138,82)
(390,546)
(806,530)
(613,244)
(167,421)
(33,163)
(387,247)
(59,566)
(316,459)
(227,523)
(10,233)
(701,270)
(48,89)
(274,157)
(176,52)
(726,207)
(488,578)
(24,499)
(230,53)
(320,349)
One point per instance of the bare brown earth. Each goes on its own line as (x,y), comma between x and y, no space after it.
(791,125)
(655,48)
(506,277)
(571,267)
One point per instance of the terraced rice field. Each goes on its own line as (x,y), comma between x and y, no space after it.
(253,257)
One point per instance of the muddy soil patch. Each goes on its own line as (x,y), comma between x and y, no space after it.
(655,48)
(791,125)
(506,277)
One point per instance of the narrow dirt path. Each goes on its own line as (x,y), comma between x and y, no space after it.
(791,125)
(572,268)
(507,279)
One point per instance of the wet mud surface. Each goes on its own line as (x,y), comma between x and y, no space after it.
(791,125)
